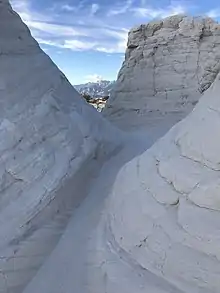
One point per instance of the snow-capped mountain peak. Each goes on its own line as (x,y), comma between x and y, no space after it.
(97,89)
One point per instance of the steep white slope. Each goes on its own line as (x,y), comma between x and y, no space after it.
(164,212)
(168,65)
(50,144)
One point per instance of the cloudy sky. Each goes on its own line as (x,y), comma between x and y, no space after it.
(87,38)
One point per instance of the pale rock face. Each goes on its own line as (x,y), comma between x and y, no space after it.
(47,134)
(164,210)
(168,65)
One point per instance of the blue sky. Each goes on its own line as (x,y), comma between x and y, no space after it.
(87,38)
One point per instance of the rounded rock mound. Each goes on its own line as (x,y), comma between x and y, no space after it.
(168,65)
(164,211)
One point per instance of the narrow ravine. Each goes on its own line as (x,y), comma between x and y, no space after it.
(86,258)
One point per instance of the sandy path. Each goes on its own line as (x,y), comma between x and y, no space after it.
(87,259)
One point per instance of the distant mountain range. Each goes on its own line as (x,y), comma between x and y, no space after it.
(96,89)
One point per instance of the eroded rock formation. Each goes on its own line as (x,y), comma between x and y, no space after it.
(168,65)
(48,133)
(158,229)
(154,226)
(165,205)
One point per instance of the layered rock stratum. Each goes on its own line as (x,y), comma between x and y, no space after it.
(168,65)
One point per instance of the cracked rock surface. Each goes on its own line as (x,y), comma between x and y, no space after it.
(168,65)
(149,225)
(164,211)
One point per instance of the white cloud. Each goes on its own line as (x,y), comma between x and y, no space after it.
(146,11)
(55,29)
(97,37)
(77,45)
(160,12)
(117,47)
(67,7)
(214,13)
(74,45)
(94,8)
(122,8)
(49,43)
(121,34)
(112,49)
(22,7)
(93,78)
